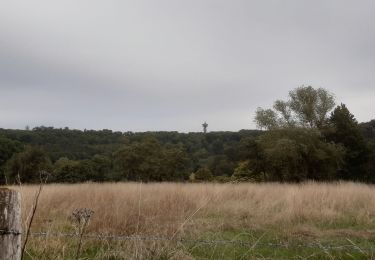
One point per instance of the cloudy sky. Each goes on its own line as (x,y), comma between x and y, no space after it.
(172,64)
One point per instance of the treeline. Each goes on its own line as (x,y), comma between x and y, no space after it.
(306,137)
(78,156)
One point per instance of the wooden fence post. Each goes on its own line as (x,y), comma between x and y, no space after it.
(10,224)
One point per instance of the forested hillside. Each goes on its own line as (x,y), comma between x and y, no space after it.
(74,155)
(306,137)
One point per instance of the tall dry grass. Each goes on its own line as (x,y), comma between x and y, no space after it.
(186,209)
(194,211)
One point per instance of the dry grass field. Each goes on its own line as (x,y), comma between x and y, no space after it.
(278,221)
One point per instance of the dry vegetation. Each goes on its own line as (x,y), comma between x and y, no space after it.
(277,212)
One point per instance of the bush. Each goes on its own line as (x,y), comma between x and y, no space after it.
(203,174)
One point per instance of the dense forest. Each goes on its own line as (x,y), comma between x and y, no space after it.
(307,137)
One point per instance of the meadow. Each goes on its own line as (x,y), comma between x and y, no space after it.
(204,221)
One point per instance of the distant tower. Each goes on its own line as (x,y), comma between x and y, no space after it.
(205,125)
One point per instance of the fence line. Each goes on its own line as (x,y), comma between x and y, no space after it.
(201,241)
(9,232)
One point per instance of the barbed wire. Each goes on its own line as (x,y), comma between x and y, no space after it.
(193,241)
(204,241)
(9,232)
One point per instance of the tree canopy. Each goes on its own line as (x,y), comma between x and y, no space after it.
(306,107)
(306,138)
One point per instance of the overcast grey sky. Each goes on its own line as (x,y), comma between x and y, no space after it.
(172,64)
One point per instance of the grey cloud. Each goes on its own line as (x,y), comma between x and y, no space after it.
(169,65)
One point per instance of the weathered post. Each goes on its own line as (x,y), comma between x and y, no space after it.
(10,224)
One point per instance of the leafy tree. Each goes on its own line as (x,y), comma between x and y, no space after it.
(220,165)
(251,151)
(369,166)
(28,165)
(266,118)
(66,170)
(102,168)
(8,148)
(294,148)
(297,154)
(203,174)
(244,172)
(368,130)
(150,161)
(306,107)
(174,163)
(344,130)
(139,161)
(217,146)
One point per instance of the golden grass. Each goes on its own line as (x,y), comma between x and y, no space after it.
(161,207)
(189,210)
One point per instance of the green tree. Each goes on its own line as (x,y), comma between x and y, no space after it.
(203,174)
(306,107)
(344,130)
(370,164)
(28,165)
(174,163)
(102,168)
(139,161)
(220,165)
(66,170)
(294,149)
(8,148)
(244,172)
(298,154)
(148,160)
(251,151)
